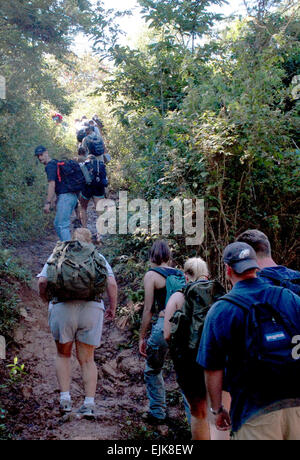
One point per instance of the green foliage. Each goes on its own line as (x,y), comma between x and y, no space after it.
(230,134)
(11,273)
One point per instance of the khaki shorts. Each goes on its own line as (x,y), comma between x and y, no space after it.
(283,424)
(77,320)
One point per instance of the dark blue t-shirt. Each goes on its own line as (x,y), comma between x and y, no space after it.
(221,347)
(272,275)
(51,171)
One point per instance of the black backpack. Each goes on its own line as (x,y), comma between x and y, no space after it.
(94,172)
(269,367)
(69,172)
(96,146)
(81,135)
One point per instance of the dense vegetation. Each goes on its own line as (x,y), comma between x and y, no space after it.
(195,110)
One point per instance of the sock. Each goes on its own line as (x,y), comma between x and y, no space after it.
(89,400)
(65,395)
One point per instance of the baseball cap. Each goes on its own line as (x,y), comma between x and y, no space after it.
(240,257)
(39,150)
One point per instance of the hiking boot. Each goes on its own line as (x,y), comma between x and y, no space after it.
(87,411)
(152,420)
(65,405)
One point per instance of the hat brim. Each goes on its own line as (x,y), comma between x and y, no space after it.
(244,265)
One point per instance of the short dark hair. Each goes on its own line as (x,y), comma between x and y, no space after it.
(258,240)
(81,151)
(160,252)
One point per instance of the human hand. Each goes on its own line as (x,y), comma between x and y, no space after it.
(110,315)
(47,208)
(222,420)
(142,347)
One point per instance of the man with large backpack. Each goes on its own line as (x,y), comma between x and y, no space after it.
(74,280)
(160,282)
(270,272)
(250,344)
(65,180)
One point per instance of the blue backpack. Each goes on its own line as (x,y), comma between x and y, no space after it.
(96,146)
(292,283)
(269,366)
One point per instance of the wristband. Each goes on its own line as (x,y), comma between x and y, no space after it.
(216,412)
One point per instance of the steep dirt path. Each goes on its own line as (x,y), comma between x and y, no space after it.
(120,398)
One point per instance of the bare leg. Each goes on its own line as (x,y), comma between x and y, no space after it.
(63,365)
(199,422)
(85,356)
(83,211)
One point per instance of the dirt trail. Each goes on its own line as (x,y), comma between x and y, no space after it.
(120,399)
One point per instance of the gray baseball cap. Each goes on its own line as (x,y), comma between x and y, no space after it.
(240,257)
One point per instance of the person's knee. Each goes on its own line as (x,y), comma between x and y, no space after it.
(64,350)
(84,353)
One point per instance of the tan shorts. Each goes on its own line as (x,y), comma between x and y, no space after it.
(283,424)
(77,320)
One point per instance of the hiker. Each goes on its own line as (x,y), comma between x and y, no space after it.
(187,309)
(65,187)
(270,272)
(248,339)
(99,124)
(155,349)
(95,172)
(79,321)
(95,128)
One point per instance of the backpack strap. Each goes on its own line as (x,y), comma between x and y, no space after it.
(160,271)
(164,271)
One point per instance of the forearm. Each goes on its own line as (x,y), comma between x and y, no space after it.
(146,321)
(112,293)
(43,289)
(51,191)
(214,384)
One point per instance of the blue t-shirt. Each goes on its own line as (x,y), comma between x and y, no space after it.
(221,347)
(272,275)
(51,171)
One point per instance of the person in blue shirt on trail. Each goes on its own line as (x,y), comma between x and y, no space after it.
(66,201)
(261,409)
(270,272)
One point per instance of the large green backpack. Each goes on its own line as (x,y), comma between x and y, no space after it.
(75,271)
(187,323)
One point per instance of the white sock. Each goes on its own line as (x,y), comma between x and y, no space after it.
(65,395)
(89,400)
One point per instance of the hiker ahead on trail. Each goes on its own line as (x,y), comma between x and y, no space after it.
(270,272)
(160,282)
(251,339)
(65,180)
(184,319)
(74,280)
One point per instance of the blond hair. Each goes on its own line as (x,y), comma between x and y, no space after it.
(196,268)
(82,234)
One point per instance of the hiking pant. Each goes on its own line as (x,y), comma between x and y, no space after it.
(279,425)
(157,349)
(66,204)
